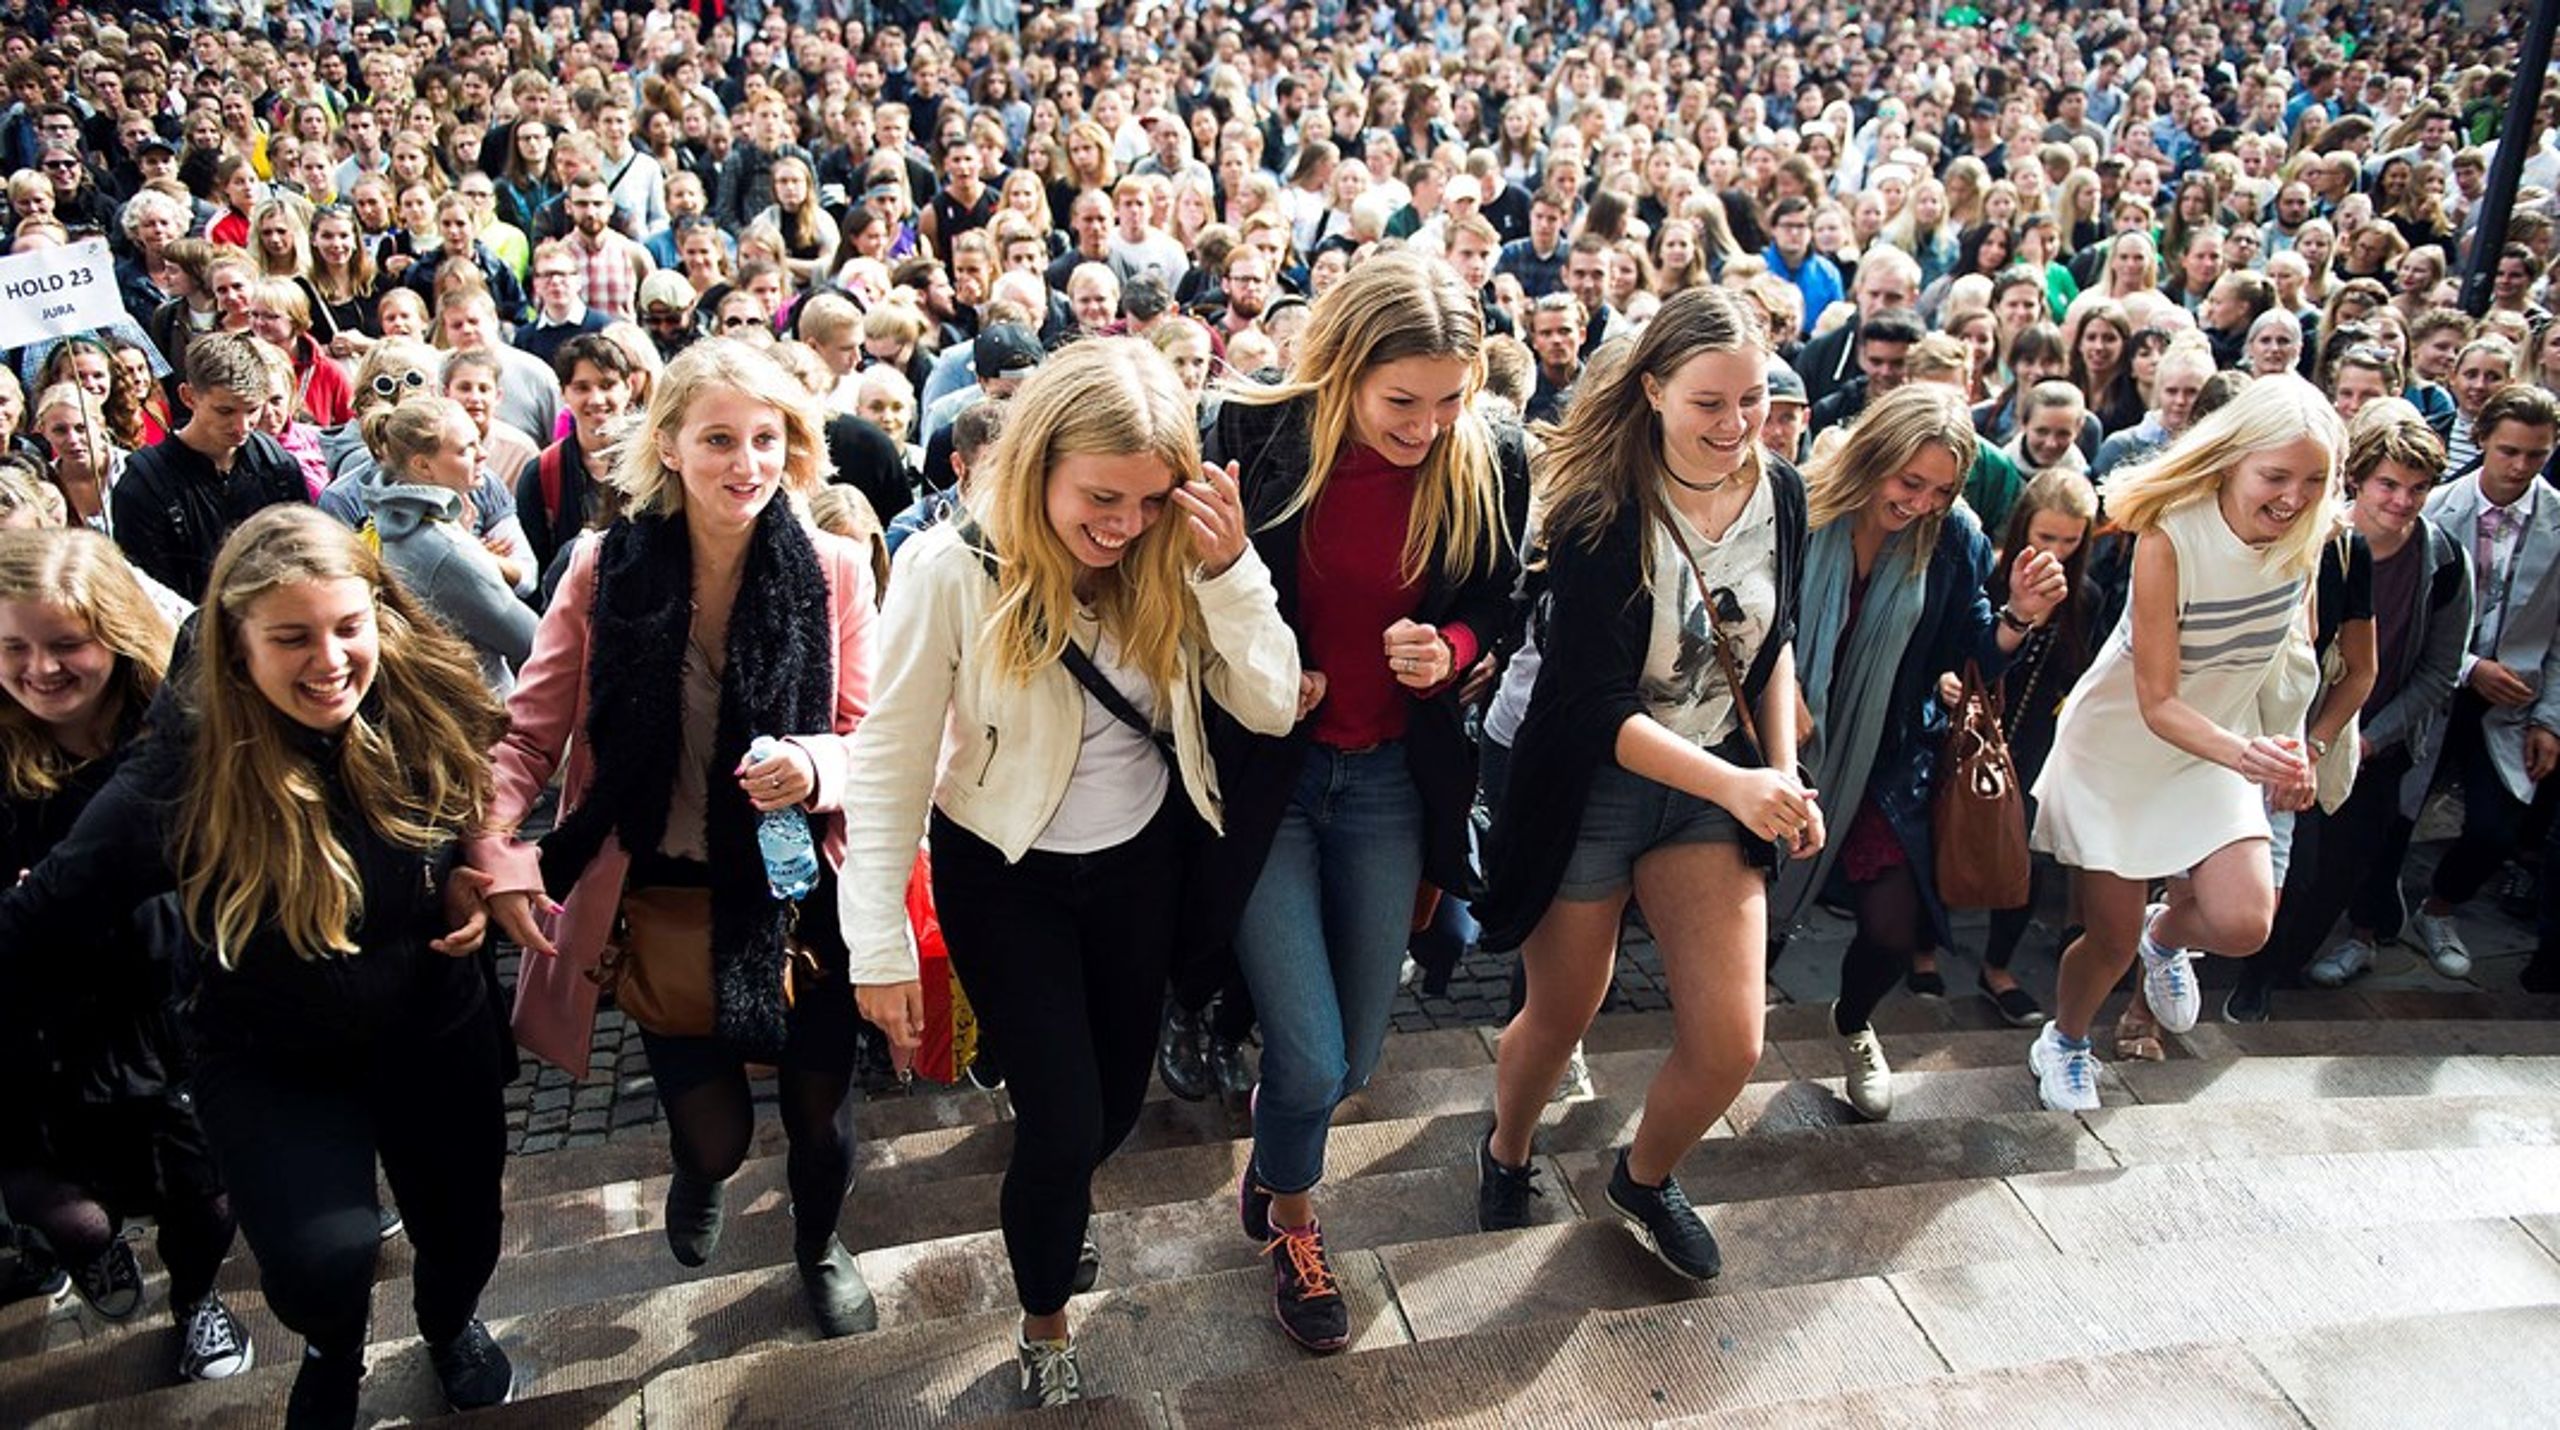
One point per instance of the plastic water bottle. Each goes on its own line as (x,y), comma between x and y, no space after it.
(790,863)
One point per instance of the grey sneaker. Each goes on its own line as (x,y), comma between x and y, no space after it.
(1866,1079)
(1575,1085)
(2345,961)
(1050,1375)
(2441,936)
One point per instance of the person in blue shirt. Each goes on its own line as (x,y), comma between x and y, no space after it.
(1790,255)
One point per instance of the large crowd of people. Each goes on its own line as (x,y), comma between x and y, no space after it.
(1364,481)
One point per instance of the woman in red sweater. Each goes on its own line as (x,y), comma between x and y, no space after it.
(1388,512)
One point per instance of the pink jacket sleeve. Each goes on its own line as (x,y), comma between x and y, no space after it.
(857,624)
(543,715)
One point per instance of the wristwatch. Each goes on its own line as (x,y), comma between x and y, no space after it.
(2016,622)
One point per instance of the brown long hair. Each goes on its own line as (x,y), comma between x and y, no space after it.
(256,845)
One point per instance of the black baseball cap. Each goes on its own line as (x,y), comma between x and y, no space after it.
(1006,350)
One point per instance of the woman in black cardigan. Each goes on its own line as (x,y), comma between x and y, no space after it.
(1671,551)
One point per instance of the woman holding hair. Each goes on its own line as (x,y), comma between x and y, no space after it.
(2161,767)
(422,517)
(1102,587)
(714,614)
(1386,510)
(1637,768)
(1895,582)
(100,1127)
(301,795)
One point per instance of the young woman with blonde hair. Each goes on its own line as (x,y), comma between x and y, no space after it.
(1894,597)
(712,615)
(1100,588)
(302,795)
(1387,510)
(1636,768)
(2164,760)
(100,1127)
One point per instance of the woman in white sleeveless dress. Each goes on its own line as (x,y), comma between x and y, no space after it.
(2162,763)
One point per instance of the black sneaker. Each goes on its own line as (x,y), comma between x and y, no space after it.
(324,1391)
(838,1296)
(1502,1193)
(1050,1375)
(1665,1222)
(212,1344)
(475,1374)
(111,1285)
(2246,1003)
(1253,1206)
(696,1206)
(1088,1266)
(1182,1053)
(1303,1292)
(33,1273)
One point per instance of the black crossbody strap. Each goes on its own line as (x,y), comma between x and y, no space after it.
(1090,676)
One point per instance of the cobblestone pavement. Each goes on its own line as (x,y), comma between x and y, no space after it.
(546,1111)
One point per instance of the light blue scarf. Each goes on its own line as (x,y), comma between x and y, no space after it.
(1850,691)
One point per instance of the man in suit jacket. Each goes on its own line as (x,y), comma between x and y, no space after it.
(1887,278)
(2501,736)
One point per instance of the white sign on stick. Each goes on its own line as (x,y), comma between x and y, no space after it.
(58,293)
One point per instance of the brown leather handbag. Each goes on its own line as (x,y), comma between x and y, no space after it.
(658,965)
(1978,816)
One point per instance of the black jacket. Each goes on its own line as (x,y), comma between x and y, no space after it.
(1594,613)
(118,856)
(1259,773)
(1829,361)
(172,509)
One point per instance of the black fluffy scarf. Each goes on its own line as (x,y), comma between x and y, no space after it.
(779,680)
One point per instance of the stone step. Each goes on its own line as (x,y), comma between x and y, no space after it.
(1758,1348)
(1452,1284)
(2476,1369)
(2219,1386)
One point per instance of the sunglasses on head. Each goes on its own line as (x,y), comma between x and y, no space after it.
(387,384)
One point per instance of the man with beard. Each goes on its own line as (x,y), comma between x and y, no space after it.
(613,266)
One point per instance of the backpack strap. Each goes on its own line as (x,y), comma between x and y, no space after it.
(548,471)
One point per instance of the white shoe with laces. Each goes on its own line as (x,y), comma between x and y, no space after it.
(2341,965)
(1866,1079)
(2066,1078)
(2442,939)
(2169,979)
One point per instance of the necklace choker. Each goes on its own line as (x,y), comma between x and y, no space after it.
(1719,484)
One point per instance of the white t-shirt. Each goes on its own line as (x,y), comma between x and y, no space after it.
(1682,685)
(1120,779)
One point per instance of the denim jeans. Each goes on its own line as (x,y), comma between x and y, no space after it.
(1322,943)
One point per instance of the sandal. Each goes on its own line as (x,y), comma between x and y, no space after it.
(2138,1036)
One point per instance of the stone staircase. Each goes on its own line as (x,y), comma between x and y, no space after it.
(2351,1218)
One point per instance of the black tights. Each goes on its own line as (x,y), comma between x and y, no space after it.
(1892,925)
(711,1117)
(2008,926)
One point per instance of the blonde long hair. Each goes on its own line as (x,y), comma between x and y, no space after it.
(1893,431)
(1607,453)
(717,365)
(1389,307)
(255,843)
(1101,397)
(81,574)
(2269,412)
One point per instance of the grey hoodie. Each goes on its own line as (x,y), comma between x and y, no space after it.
(443,566)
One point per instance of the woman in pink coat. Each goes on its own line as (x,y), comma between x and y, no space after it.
(713,614)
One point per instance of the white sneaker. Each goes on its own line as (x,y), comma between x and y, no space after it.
(2066,1078)
(1575,1085)
(2442,938)
(2342,964)
(1866,1079)
(2169,979)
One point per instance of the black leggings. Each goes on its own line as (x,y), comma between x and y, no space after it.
(1065,956)
(711,1115)
(1893,924)
(297,1140)
(2335,857)
(117,1159)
